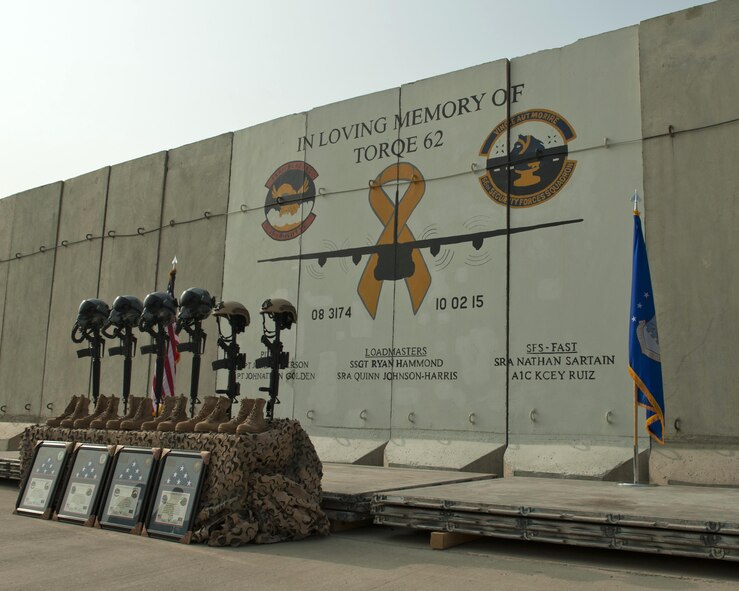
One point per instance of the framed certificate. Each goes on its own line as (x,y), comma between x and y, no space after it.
(86,483)
(40,487)
(127,490)
(179,482)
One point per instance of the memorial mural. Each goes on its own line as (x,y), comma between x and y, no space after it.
(432,238)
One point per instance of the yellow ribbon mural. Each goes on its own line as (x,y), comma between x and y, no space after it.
(405,263)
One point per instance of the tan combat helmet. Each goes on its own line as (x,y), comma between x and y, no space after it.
(236,313)
(281,311)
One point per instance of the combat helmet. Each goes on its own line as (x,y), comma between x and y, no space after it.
(92,314)
(126,311)
(159,307)
(236,314)
(281,311)
(195,304)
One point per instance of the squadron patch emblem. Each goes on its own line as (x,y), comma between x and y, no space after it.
(537,167)
(288,206)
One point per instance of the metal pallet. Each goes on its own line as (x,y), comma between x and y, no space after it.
(10,468)
(681,521)
(348,488)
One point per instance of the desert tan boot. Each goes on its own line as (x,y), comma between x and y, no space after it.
(143,414)
(215,418)
(81,410)
(54,422)
(111,412)
(205,410)
(100,407)
(133,405)
(178,415)
(168,407)
(244,410)
(255,422)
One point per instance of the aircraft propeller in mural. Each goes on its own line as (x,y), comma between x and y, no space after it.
(397,254)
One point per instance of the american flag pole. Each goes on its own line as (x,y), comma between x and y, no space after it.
(163,385)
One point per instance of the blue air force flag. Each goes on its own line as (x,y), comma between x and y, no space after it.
(645,365)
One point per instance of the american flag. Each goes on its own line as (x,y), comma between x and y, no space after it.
(132,472)
(46,468)
(172,355)
(180,477)
(88,471)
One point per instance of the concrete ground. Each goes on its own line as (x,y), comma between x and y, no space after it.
(36,554)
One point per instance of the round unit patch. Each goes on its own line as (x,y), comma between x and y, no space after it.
(537,167)
(288,206)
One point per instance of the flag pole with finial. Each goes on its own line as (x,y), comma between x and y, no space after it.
(636,200)
(159,388)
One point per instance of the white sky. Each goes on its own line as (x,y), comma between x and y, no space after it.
(89,83)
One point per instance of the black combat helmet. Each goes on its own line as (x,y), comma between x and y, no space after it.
(92,314)
(195,304)
(159,307)
(126,311)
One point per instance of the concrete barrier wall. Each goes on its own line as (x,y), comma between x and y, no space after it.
(28,300)
(301,208)
(690,84)
(196,185)
(336,328)
(450,409)
(258,152)
(571,401)
(7,207)
(129,264)
(76,274)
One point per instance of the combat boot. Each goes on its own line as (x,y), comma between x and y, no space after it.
(218,416)
(244,410)
(54,422)
(169,404)
(178,415)
(255,422)
(100,407)
(81,410)
(143,414)
(205,410)
(111,412)
(133,405)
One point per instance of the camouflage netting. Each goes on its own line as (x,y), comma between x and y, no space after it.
(259,488)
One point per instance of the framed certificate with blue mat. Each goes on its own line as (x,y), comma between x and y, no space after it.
(39,489)
(128,488)
(86,483)
(179,482)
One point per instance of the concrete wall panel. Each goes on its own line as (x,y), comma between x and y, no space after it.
(570,285)
(339,333)
(344,320)
(692,247)
(258,154)
(690,78)
(7,206)
(76,272)
(27,301)
(451,310)
(689,71)
(197,182)
(129,260)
